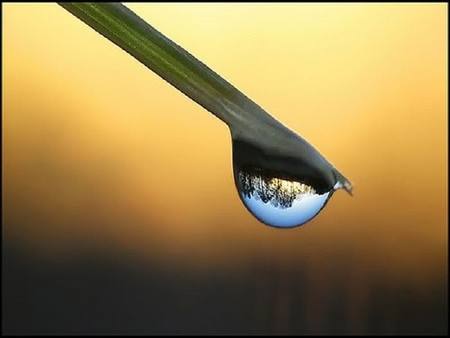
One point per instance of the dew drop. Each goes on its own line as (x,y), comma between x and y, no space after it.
(277,191)
(279,202)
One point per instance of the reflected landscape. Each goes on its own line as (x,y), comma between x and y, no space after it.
(280,191)
(278,202)
(120,212)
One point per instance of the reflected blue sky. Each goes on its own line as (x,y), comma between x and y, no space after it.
(302,210)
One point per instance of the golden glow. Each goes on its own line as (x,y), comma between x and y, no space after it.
(291,187)
(99,151)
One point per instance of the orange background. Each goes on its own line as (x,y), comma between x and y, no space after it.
(99,153)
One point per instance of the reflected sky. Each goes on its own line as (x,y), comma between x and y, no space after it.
(279,202)
(301,211)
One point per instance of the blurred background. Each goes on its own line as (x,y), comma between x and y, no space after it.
(120,213)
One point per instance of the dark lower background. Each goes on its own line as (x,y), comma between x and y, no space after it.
(100,294)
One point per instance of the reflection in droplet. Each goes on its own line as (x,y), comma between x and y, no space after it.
(279,192)
(279,202)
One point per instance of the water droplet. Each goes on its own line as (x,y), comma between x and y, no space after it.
(279,202)
(279,192)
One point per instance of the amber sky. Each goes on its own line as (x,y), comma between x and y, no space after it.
(99,151)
